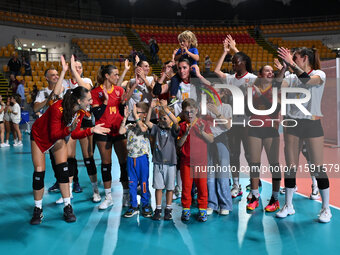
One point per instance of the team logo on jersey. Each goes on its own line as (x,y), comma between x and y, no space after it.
(117,93)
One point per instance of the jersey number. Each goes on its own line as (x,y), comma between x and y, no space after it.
(113,109)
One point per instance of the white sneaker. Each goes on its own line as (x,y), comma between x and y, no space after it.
(61,200)
(126,200)
(96,197)
(210,211)
(325,215)
(315,193)
(18,144)
(285,211)
(106,203)
(224,212)
(3,145)
(236,191)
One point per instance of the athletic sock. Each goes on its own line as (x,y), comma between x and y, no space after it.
(158,206)
(38,203)
(236,181)
(108,193)
(94,186)
(314,182)
(67,201)
(289,196)
(168,206)
(71,185)
(275,195)
(255,192)
(325,197)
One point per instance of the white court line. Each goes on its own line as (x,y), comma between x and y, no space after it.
(333,206)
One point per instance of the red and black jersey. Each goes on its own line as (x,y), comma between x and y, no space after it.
(259,104)
(111,117)
(50,127)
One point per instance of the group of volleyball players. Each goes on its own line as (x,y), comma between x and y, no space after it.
(95,114)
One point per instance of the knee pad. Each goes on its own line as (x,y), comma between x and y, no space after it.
(106,172)
(123,173)
(72,166)
(62,173)
(90,166)
(290,177)
(254,170)
(276,171)
(38,180)
(321,177)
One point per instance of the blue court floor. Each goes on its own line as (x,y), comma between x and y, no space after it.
(107,232)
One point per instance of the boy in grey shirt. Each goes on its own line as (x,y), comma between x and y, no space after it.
(164,156)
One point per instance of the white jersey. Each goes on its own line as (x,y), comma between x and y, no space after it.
(69,84)
(140,94)
(15,118)
(241,82)
(316,91)
(43,94)
(2,107)
(185,90)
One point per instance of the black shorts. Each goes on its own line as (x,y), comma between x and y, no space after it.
(305,128)
(108,138)
(86,123)
(31,137)
(1,122)
(263,132)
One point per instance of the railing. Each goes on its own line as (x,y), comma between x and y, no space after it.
(88,15)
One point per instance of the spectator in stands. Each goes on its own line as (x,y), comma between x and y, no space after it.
(153,50)
(2,126)
(26,63)
(21,92)
(34,94)
(13,84)
(133,55)
(14,65)
(207,64)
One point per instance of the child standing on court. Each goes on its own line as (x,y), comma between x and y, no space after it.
(137,160)
(194,135)
(164,156)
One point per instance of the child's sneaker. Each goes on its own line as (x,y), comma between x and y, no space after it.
(157,214)
(185,215)
(168,214)
(147,211)
(210,211)
(202,216)
(131,212)
(253,203)
(285,211)
(273,205)
(315,193)
(224,212)
(250,196)
(236,191)
(325,215)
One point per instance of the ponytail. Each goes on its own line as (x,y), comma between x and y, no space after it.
(104,70)
(313,56)
(70,101)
